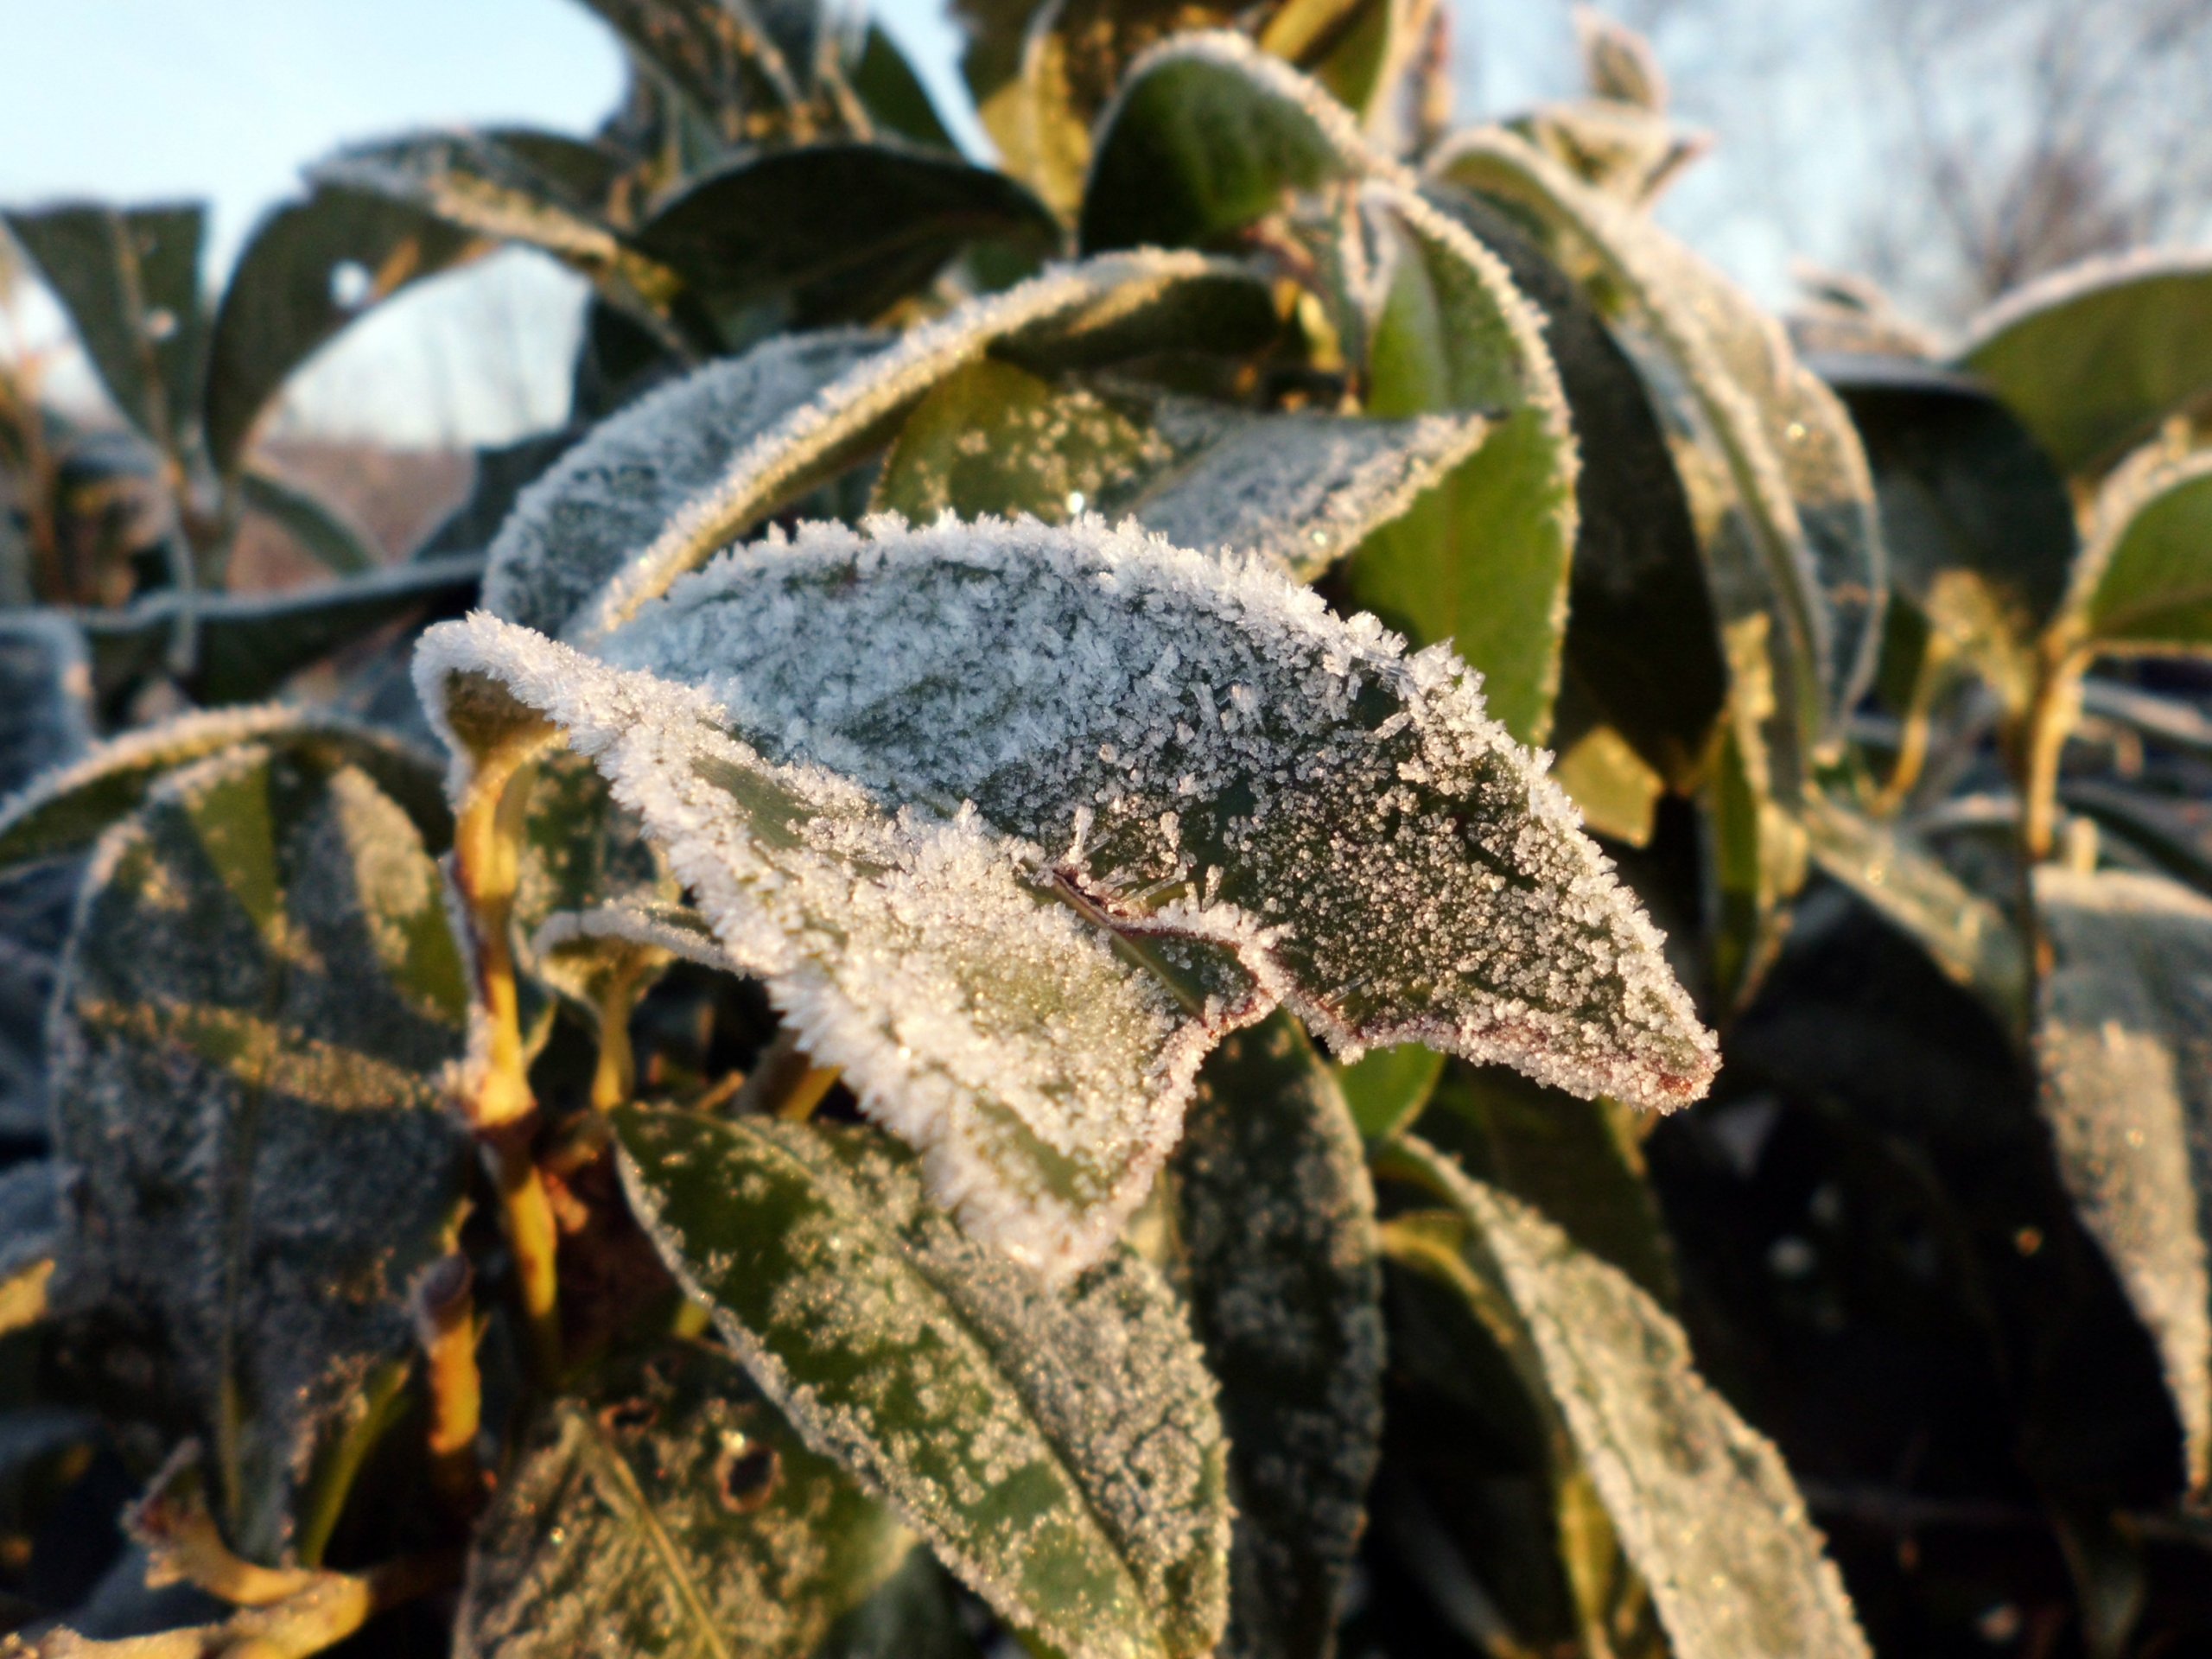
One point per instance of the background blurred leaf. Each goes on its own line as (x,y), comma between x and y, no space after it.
(309,268)
(2092,357)
(2144,583)
(254,1017)
(129,282)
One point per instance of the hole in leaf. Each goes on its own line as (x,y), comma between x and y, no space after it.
(745,1475)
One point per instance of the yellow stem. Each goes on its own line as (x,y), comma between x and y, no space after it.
(445,1322)
(486,850)
(784,1082)
(488,861)
(614,1081)
(533,1238)
(2049,722)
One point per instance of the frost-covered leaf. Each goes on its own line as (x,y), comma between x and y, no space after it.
(1058,1447)
(254,1016)
(1210,772)
(2092,357)
(308,269)
(1483,560)
(664,486)
(1632,154)
(1783,493)
(2124,1047)
(1617,63)
(65,812)
(1968,937)
(342,549)
(1277,1219)
(250,643)
(2143,582)
(486,188)
(130,281)
(1978,522)
(832,232)
(1208,134)
(1301,489)
(1703,1506)
(665,1509)
(614,492)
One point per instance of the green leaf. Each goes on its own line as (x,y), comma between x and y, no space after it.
(1385,1089)
(1703,1506)
(2126,1089)
(250,643)
(1483,560)
(1352,48)
(1085,315)
(1058,1447)
(1302,489)
(1102,799)
(66,812)
(1978,524)
(249,1048)
(1779,486)
(665,1509)
(475,184)
(1616,794)
(2092,357)
(835,231)
(1968,937)
(2144,584)
(308,269)
(340,547)
(130,281)
(1208,135)
(1277,1219)
(894,95)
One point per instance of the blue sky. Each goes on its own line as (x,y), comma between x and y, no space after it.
(138,100)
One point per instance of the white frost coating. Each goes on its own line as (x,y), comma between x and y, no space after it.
(614,491)
(1204,749)
(1041,1076)
(1333,124)
(1193,751)
(187,738)
(2074,282)
(2124,1049)
(873,393)
(672,928)
(1303,490)
(1704,1506)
